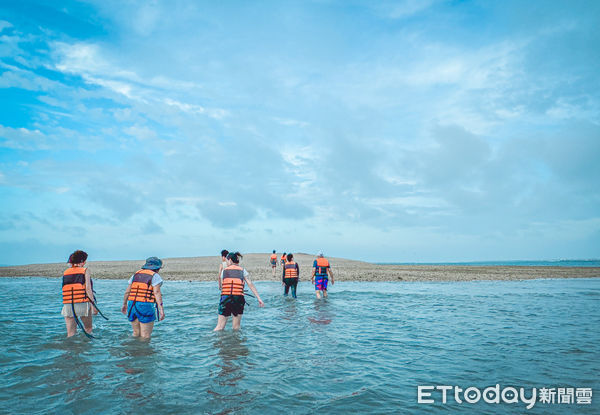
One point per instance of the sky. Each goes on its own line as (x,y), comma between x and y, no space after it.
(389,131)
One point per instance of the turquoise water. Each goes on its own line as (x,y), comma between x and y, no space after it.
(364,350)
(554,263)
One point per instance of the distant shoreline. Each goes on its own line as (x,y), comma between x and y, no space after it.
(205,269)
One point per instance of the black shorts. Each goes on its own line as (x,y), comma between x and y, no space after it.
(231,304)
(290,281)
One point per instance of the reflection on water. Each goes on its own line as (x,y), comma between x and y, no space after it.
(74,373)
(324,313)
(136,362)
(290,309)
(229,370)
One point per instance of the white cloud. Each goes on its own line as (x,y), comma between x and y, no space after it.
(23,139)
(290,122)
(4,25)
(196,109)
(408,201)
(141,132)
(300,162)
(90,62)
(15,77)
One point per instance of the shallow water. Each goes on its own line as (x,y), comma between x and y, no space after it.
(364,350)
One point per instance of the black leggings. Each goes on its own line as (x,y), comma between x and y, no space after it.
(290,282)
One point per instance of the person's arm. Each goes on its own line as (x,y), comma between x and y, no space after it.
(88,289)
(330,275)
(159,301)
(219,280)
(283,276)
(312,279)
(298,269)
(127,291)
(253,289)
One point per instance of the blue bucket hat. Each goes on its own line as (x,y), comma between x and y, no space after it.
(153,263)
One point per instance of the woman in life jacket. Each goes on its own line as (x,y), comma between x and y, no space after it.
(291,273)
(77,290)
(233,281)
(143,298)
(222,266)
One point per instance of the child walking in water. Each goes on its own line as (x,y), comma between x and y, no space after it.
(232,283)
(142,297)
(78,295)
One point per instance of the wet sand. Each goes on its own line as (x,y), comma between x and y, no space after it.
(205,269)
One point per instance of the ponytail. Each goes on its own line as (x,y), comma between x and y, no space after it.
(235,257)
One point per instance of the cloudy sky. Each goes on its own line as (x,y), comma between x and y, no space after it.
(385,131)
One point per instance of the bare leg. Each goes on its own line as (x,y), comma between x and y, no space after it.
(135,325)
(325,293)
(71,326)
(318,294)
(237,322)
(87,323)
(221,323)
(146,329)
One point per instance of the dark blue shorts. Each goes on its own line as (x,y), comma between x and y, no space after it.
(144,312)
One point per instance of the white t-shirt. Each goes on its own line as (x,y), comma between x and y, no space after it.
(245,273)
(156,280)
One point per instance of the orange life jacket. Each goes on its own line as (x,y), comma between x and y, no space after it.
(73,286)
(322,265)
(290,270)
(141,287)
(273,258)
(233,280)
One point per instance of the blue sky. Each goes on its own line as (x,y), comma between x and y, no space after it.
(384,131)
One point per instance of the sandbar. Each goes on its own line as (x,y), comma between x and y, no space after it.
(205,269)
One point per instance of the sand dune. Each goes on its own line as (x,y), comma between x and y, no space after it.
(205,269)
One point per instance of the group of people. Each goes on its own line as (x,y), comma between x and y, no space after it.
(291,273)
(143,303)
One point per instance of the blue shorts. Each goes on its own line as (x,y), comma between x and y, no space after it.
(321,283)
(144,312)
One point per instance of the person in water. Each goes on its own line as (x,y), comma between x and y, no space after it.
(291,274)
(233,280)
(321,274)
(283,256)
(78,295)
(143,298)
(222,266)
(273,261)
